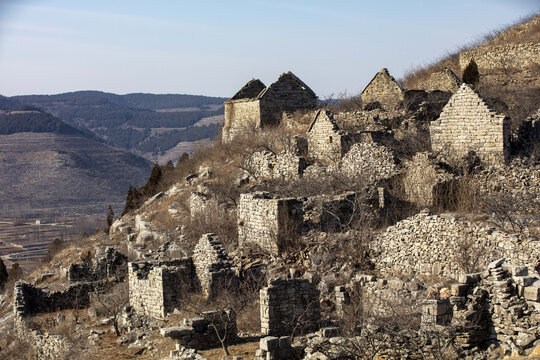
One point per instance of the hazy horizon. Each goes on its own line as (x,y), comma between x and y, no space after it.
(212,48)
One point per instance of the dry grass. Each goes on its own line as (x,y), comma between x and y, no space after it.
(244,350)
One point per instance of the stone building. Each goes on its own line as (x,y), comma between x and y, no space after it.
(156,287)
(467,124)
(288,304)
(268,221)
(266,164)
(255,106)
(384,90)
(326,141)
(444,80)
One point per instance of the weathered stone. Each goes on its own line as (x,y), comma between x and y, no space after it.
(269,343)
(384,90)
(496,263)
(177,331)
(532,293)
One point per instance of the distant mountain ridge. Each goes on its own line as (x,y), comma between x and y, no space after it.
(142,101)
(146,124)
(49,168)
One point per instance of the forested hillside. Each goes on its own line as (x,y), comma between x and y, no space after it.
(146,124)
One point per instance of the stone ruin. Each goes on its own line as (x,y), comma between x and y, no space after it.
(426,183)
(268,221)
(500,304)
(467,124)
(202,202)
(266,164)
(109,268)
(444,80)
(30,300)
(273,347)
(156,288)
(213,266)
(256,106)
(112,264)
(287,304)
(201,332)
(384,91)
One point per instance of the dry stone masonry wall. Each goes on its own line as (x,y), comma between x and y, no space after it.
(156,288)
(267,221)
(369,161)
(466,124)
(267,165)
(435,245)
(519,56)
(288,304)
(212,265)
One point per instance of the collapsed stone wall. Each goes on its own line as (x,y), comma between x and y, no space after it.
(201,202)
(425,183)
(434,245)
(112,264)
(283,166)
(213,266)
(268,221)
(519,56)
(46,346)
(31,300)
(500,304)
(156,287)
(201,332)
(288,304)
(369,161)
(383,89)
(466,124)
(444,80)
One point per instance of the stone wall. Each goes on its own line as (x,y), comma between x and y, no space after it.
(425,183)
(325,138)
(268,221)
(383,89)
(369,161)
(111,264)
(30,300)
(499,305)
(519,56)
(213,266)
(200,332)
(289,303)
(241,116)
(466,124)
(156,287)
(283,166)
(428,244)
(444,80)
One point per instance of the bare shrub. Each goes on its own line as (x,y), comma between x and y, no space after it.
(111,303)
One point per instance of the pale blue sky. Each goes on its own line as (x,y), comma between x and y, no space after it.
(213,47)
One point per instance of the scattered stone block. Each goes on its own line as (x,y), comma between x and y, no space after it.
(531,293)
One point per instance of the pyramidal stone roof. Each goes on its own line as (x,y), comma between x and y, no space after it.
(285,77)
(385,76)
(251,90)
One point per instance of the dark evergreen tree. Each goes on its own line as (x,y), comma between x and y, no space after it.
(470,74)
(152,185)
(130,200)
(110,217)
(3,274)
